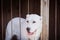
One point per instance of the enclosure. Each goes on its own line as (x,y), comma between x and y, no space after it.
(19,8)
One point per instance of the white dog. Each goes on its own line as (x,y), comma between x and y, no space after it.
(25,29)
(34,26)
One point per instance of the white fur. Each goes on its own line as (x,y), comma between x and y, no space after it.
(34,26)
(15,27)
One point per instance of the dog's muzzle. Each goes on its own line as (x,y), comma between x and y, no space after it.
(28,29)
(30,33)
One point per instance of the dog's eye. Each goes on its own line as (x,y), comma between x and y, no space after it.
(27,21)
(34,22)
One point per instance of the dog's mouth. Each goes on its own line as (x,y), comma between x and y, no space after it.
(31,33)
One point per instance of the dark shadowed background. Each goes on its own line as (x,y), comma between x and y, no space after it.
(23,10)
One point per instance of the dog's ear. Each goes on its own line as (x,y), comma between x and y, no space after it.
(40,17)
(27,15)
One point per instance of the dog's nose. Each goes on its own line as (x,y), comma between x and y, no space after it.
(28,29)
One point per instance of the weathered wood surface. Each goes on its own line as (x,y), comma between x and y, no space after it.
(45,18)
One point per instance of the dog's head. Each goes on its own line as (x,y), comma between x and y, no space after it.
(34,22)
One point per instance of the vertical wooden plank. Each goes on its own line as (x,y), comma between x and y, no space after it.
(5,11)
(20,16)
(15,8)
(37,7)
(28,7)
(1,20)
(11,12)
(24,8)
(58,19)
(45,18)
(2,16)
(52,20)
(55,19)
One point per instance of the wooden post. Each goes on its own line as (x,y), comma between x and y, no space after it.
(45,18)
